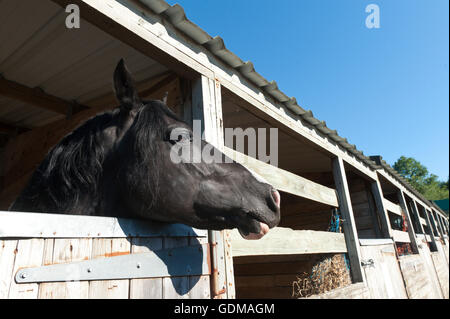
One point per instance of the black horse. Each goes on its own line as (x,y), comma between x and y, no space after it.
(118,164)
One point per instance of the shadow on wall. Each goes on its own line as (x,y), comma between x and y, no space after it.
(174,252)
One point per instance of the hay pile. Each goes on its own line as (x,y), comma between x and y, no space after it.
(326,275)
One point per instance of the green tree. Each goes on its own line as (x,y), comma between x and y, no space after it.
(419,177)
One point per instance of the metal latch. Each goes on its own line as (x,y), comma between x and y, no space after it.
(368,263)
(182,261)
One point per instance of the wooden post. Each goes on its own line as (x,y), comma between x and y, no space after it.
(381,209)
(411,232)
(427,217)
(416,213)
(345,207)
(207,106)
(438,223)
(435,225)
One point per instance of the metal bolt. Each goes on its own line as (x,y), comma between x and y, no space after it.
(89,270)
(138,265)
(23,275)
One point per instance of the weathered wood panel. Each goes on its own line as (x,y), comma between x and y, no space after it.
(425,254)
(415,274)
(384,278)
(172,281)
(354,291)
(7,257)
(441,267)
(29,253)
(59,251)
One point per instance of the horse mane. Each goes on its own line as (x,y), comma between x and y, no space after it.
(73,168)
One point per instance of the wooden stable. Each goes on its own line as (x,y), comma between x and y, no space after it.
(53,78)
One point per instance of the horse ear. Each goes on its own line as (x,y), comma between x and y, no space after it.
(164,99)
(126,92)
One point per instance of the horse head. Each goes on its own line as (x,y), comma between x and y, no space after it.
(120,163)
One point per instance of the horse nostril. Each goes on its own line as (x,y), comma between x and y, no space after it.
(276,197)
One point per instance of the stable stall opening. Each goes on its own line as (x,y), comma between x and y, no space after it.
(309,239)
(397,217)
(415,219)
(429,236)
(363,204)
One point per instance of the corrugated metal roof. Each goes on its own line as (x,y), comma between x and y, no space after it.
(176,16)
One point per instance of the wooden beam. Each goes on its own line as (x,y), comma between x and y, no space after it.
(38,98)
(12,129)
(430,227)
(401,236)
(286,181)
(381,209)
(346,210)
(411,232)
(438,222)
(393,208)
(420,220)
(206,106)
(285,241)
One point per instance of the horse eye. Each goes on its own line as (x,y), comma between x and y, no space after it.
(179,137)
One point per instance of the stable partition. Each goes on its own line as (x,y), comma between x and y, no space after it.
(59,256)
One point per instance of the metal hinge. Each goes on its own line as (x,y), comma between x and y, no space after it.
(183,261)
(367,263)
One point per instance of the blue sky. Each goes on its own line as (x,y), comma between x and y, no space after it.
(385,89)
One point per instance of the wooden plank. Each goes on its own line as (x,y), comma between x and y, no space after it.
(29,254)
(199,286)
(40,225)
(147,288)
(206,106)
(114,289)
(286,181)
(384,278)
(417,282)
(59,251)
(400,236)
(441,267)
(393,208)
(7,257)
(354,291)
(375,242)
(422,221)
(435,289)
(377,192)
(175,287)
(411,232)
(346,210)
(38,98)
(373,213)
(429,237)
(285,241)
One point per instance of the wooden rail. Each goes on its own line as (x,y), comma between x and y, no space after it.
(401,236)
(285,241)
(393,208)
(285,181)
